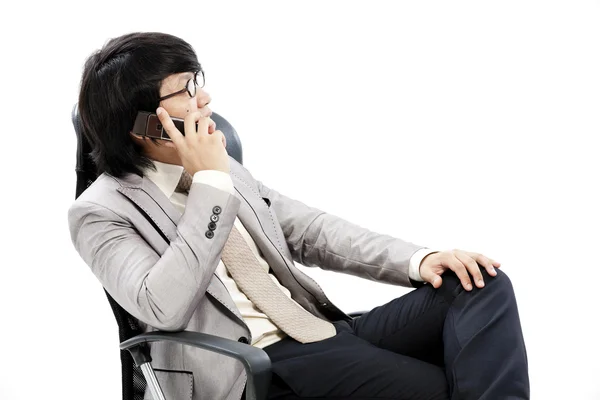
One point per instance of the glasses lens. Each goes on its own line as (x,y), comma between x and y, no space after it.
(191,88)
(199,79)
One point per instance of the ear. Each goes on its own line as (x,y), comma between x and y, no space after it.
(137,137)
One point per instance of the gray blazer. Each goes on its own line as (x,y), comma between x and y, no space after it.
(120,227)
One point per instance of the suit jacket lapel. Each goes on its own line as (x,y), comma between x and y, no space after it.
(256,216)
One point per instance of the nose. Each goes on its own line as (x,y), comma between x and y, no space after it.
(203,99)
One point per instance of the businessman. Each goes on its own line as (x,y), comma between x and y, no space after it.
(184,237)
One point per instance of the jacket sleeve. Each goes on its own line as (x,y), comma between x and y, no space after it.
(160,290)
(319,239)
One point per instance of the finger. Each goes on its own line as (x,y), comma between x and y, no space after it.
(212,126)
(219,135)
(488,263)
(430,276)
(472,267)
(459,269)
(169,126)
(191,121)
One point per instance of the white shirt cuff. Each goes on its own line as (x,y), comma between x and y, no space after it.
(219,179)
(415,263)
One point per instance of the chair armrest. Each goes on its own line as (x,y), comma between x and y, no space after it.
(255,360)
(357,314)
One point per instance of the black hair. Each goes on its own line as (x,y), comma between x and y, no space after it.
(120,79)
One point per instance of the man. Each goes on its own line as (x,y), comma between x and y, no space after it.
(183,237)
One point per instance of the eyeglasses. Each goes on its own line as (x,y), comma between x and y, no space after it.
(190,87)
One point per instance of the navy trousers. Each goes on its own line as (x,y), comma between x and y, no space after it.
(444,343)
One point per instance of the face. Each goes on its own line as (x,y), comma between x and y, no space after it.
(177,106)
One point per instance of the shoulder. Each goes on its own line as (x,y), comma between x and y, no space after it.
(241,174)
(103,193)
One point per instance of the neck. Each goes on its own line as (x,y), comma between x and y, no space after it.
(163,154)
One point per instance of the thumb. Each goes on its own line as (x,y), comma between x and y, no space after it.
(429,276)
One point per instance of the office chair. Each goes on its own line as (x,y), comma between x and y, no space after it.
(136,369)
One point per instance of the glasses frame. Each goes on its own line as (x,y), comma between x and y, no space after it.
(187,84)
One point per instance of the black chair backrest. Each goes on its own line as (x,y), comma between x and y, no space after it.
(133,382)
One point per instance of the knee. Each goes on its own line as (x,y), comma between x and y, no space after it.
(501,282)
(499,285)
(501,279)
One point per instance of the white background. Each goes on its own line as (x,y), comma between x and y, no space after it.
(464,124)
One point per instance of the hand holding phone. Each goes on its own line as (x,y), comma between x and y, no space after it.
(199,149)
(148,124)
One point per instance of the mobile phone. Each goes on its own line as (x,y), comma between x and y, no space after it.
(148,124)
